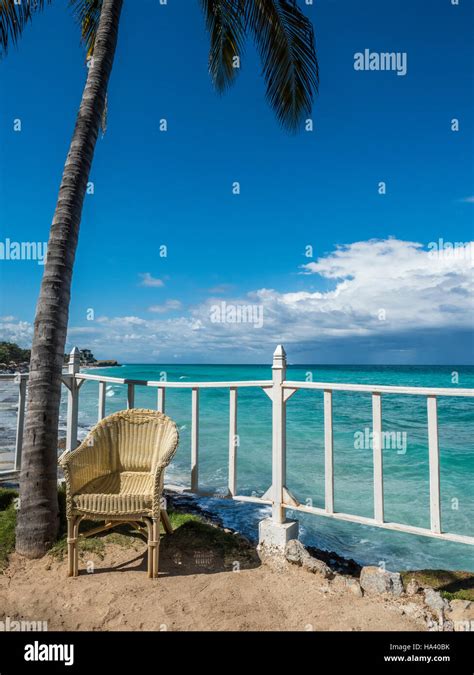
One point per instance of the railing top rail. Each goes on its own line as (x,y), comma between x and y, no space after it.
(175,385)
(287,384)
(378,388)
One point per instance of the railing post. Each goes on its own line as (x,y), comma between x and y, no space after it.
(278,434)
(433,445)
(73,399)
(328,454)
(130,396)
(275,532)
(377,447)
(102,393)
(233,441)
(194,439)
(161,399)
(20,423)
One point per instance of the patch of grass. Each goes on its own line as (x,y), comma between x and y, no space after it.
(198,543)
(124,540)
(177,519)
(62,509)
(7,495)
(122,535)
(452,585)
(191,533)
(89,545)
(195,535)
(7,534)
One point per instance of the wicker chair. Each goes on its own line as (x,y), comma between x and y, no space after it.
(116,474)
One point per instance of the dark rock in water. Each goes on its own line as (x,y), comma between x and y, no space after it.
(13,367)
(336,562)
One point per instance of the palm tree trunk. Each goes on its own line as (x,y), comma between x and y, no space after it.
(38,513)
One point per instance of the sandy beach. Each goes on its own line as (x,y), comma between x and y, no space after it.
(192,593)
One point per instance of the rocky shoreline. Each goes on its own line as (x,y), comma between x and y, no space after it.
(13,368)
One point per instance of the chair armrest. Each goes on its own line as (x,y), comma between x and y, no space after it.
(167,451)
(90,460)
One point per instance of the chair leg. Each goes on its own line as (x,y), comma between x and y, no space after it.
(166,521)
(156,547)
(72,549)
(149,551)
(76,548)
(153,527)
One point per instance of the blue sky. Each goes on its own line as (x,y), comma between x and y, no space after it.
(390,302)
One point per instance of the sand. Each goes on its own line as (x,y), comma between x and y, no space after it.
(193,592)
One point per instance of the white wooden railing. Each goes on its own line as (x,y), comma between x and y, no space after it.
(279,390)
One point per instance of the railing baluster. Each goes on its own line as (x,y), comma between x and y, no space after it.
(328,453)
(278,435)
(233,441)
(130,396)
(101,411)
(72,400)
(378,457)
(194,438)
(433,445)
(161,399)
(20,422)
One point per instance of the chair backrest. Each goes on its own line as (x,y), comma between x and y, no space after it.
(140,439)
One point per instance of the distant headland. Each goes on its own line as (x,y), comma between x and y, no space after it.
(14,359)
(89,361)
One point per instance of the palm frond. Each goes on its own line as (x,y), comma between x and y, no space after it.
(87,14)
(285,41)
(225,21)
(13,19)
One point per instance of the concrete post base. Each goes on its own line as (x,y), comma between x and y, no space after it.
(274,535)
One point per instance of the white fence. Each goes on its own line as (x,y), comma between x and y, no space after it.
(279,390)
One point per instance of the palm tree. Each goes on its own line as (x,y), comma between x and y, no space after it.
(284,38)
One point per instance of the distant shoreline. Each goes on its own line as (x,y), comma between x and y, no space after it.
(24,368)
(102,364)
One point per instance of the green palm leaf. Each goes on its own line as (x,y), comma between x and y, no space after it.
(285,40)
(87,13)
(225,21)
(13,19)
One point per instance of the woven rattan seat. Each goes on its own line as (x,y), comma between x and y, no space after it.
(116,474)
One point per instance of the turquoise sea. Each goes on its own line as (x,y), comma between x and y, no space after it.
(406,481)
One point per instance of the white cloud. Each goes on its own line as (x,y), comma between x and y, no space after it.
(414,289)
(220,289)
(149,281)
(167,306)
(12,330)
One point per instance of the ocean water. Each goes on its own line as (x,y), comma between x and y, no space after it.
(406,478)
